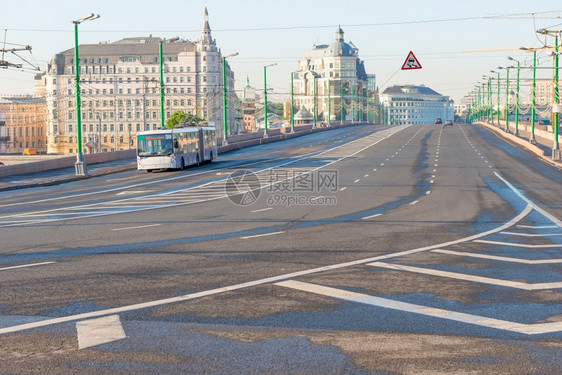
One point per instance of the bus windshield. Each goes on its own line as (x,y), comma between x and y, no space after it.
(155,145)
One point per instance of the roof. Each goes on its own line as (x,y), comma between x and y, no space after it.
(410,89)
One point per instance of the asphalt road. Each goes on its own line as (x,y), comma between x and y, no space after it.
(364,250)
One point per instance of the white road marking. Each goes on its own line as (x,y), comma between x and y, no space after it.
(532,234)
(414,202)
(529,329)
(26,265)
(428,192)
(356,181)
(131,192)
(263,209)
(261,235)
(122,178)
(99,331)
(374,169)
(382,164)
(343,188)
(431,181)
(527,246)
(137,227)
(366,175)
(268,280)
(537,227)
(467,277)
(495,257)
(370,217)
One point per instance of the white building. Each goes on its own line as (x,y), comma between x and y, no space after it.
(120,89)
(328,73)
(409,104)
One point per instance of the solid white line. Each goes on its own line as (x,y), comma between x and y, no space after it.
(262,235)
(414,202)
(273,279)
(462,276)
(495,257)
(537,227)
(263,209)
(529,329)
(139,227)
(518,244)
(532,234)
(26,265)
(370,217)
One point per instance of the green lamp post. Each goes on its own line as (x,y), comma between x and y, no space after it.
(265,97)
(81,168)
(516,97)
(498,101)
(161,59)
(224,101)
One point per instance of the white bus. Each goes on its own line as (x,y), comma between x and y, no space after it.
(175,148)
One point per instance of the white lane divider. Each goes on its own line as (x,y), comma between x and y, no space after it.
(263,209)
(262,235)
(496,257)
(137,227)
(370,217)
(25,265)
(349,296)
(467,277)
(99,331)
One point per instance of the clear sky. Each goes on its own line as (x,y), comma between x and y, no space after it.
(265,32)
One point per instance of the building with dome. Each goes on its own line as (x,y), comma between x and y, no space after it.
(332,83)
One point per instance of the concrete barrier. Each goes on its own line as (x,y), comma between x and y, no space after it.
(64,162)
(235,142)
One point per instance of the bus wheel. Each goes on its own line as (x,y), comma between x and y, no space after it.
(211,157)
(197,160)
(148,170)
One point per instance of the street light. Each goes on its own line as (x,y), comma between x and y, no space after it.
(162,78)
(533,109)
(80,166)
(516,97)
(224,106)
(265,97)
(498,111)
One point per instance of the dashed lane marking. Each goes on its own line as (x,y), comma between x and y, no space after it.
(26,265)
(263,209)
(137,227)
(99,331)
(261,235)
(370,217)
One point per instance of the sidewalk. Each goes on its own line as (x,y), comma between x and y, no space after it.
(59,176)
(542,148)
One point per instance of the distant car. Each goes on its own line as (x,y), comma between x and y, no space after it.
(438,121)
(448,122)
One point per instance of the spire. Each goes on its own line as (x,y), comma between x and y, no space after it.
(339,34)
(248,81)
(206,27)
(206,37)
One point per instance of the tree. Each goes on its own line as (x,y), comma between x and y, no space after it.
(182,118)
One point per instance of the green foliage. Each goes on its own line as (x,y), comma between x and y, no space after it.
(180,117)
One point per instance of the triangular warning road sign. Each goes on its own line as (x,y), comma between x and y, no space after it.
(411,62)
